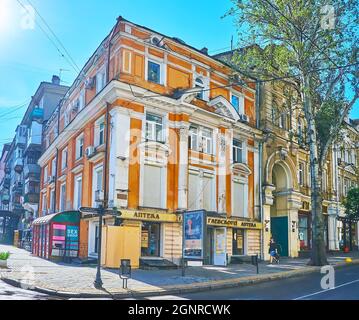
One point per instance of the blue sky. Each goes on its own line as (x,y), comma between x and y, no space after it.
(27,57)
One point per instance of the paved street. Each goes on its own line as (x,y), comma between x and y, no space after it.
(302,288)
(8,292)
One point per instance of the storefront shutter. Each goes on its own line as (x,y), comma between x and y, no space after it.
(152,190)
(193,190)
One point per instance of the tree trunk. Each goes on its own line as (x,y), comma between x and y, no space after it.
(318,254)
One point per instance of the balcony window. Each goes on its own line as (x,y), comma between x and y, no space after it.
(154,128)
(79,147)
(201,139)
(154,72)
(100,132)
(64,159)
(237,151)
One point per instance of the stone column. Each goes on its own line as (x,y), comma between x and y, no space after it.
(294,204)
(332,228)
(183,167)
(268,202)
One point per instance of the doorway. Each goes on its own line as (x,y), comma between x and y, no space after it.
(238,242)
(150,239)
(280,234)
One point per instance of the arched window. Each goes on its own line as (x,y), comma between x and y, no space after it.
(199,84)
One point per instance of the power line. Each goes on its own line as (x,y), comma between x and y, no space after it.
(55,36)
(49,38)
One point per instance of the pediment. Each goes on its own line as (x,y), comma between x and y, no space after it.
(241,169)
(224,108)
(350,169)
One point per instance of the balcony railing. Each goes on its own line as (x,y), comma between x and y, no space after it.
(32,170)
(31,197)
(19,165)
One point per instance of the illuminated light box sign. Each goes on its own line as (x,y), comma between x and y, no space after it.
(194,225)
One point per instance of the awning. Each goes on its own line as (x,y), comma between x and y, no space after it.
(71,217)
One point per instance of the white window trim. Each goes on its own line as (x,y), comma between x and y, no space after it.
(64,163)
(94,174)
(46,174)
(206,85)
(61,209)
(76,205)
(124,60)
(200,137)
(78,139)
(102,71)
(241,101)
(53,167)
(163,67)
(97,131)
(243,181)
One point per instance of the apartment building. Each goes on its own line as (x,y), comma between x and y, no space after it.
(158,127)
(22,171)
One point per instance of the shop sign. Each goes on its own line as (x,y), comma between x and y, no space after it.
(193,239)
(231,223)
(149,216)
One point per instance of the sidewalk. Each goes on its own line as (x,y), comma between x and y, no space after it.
(77,281)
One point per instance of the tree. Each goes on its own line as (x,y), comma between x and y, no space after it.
(351,204)
(312,46)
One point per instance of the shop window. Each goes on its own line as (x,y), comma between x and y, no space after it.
(153,187)
(238,242)
(303,232)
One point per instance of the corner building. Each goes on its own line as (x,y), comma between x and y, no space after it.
(162,128)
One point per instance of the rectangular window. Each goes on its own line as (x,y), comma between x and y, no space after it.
(79,147)
(46,175)
(193,190)
(154,128)
(237,151)
(301,174)
(208,193)
(81,100)
(44,203)
(153,186)
(64,159)
(126,61)
(52,200)
(78,192)
(207,141)
(63,197)
(100,132)
(154,72)
(53,167)
(100,80)
(238,103)
(193,138)
(97,184)
(240,199)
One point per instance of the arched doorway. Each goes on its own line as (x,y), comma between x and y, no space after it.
(279,210)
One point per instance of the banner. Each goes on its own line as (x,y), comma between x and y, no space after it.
(193,238)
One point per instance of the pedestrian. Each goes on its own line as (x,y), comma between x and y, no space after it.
(272,250)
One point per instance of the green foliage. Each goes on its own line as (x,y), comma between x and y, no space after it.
(4,255)
(352,203)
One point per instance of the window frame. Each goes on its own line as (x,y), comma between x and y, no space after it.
(154,128)
(80,147)
(161,67)
(235,151)
(241,102)
(64,163)
(97,138)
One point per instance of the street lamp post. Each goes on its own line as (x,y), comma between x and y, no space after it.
(98,281)
(100,200)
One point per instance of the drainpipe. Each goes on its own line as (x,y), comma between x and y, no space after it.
(260,165)
(57,156)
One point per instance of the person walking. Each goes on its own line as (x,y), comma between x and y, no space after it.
(272,250)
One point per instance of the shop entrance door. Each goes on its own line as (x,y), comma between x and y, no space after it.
(220,252)
(238,242)
(150,240)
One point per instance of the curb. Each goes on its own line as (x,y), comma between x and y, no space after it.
(180,289)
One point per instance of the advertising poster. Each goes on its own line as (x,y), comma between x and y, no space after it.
(193,226)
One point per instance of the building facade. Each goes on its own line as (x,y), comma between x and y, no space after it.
(22,171)
(161,128)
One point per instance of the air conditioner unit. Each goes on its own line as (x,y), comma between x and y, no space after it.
(90,83)
(243,118)
(90,152)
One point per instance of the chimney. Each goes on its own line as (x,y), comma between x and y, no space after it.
(205,51)
(55,80)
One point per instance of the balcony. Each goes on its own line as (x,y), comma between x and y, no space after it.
(19,165)
(32,171)
(5,199)
(20,137)
(34,136)
(31,197)
(37,114)
(17,188)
